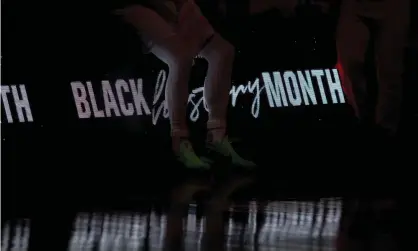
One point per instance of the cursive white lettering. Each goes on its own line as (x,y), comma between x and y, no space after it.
(253,88)
(294,88)
(159,90)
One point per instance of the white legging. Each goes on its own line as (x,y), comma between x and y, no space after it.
(177,45)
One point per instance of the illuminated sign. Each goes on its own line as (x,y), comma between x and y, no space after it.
(124,98)
(15,101)
(290,88)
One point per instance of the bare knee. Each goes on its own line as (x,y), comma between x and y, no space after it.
(218,50)
(180,60)
(228,50)
(174,53)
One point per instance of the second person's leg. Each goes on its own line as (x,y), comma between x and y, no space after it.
(390,48)
(353,37)
(220,56)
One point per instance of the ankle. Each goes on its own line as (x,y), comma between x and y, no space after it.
(177,137)
(215,134)
(216,130)
(176,143)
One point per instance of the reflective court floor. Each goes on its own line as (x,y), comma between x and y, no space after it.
(274,225)
(278,225)
(196,216)
(284,225)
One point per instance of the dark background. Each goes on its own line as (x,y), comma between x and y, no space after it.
(59,155)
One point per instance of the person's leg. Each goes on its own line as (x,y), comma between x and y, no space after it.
(147,22)
(196,30)
(220,56)
(390,46)
(178,54)
(352,42)
(199,34)
(179,62)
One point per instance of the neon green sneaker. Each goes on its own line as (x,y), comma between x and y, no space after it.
(188,157)
(225,149)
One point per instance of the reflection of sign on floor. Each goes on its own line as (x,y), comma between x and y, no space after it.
(15,237)
(287,225)
(294,221)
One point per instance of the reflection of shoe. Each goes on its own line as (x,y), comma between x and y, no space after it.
(224,148)
(188,157)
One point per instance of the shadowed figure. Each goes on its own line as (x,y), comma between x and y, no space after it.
(181,197)
(215,207)
(385,23)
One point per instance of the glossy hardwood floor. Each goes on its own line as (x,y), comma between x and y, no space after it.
(218,223)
